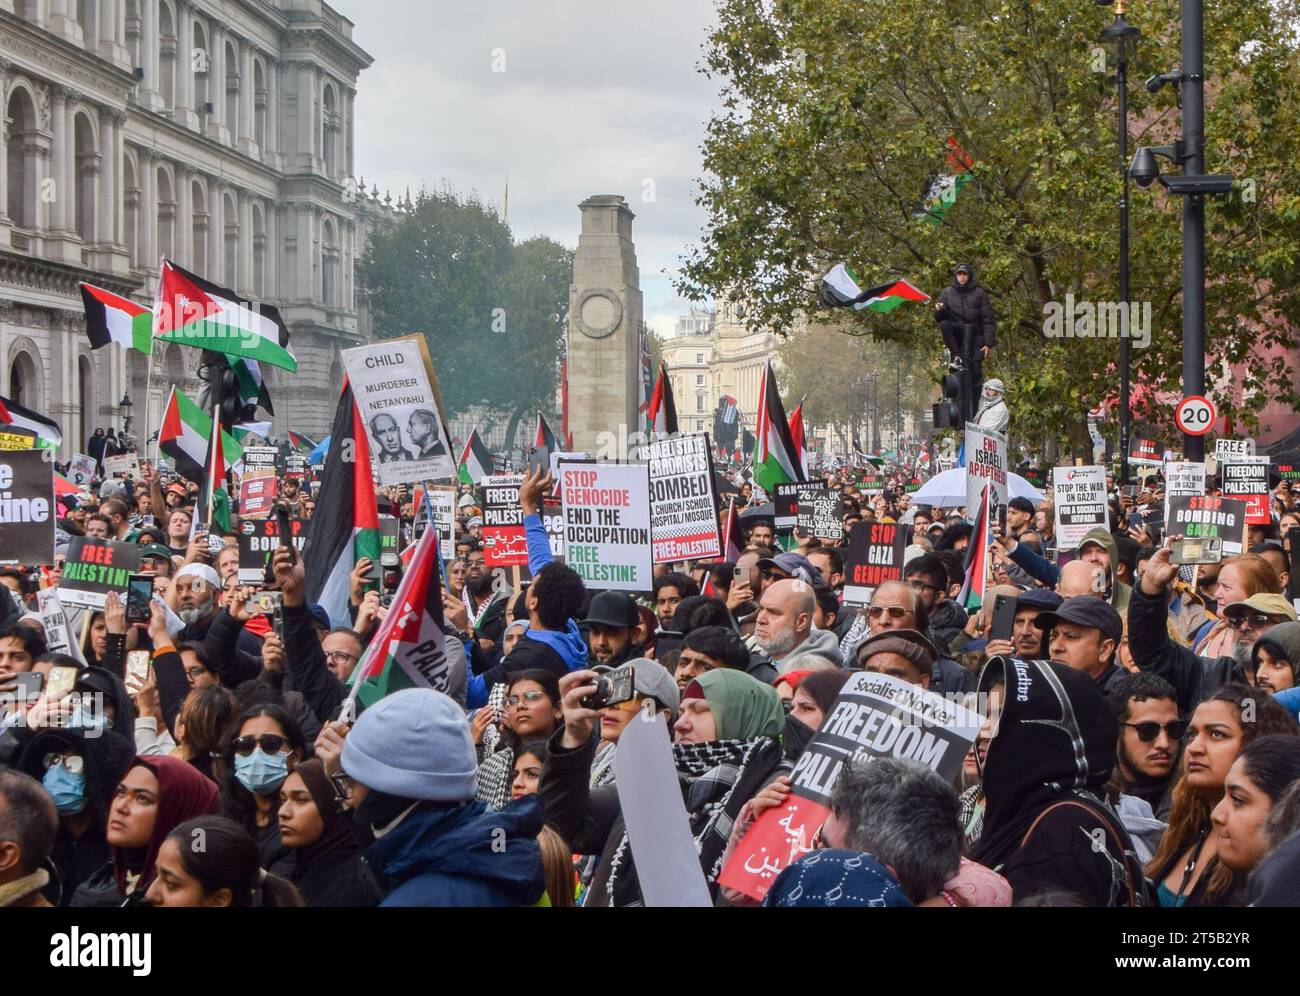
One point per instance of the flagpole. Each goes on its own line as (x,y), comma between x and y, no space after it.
(214,443)
(148,377)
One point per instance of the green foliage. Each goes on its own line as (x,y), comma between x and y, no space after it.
(835,114)
(493,312)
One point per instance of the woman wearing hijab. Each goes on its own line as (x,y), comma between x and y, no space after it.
(154,796)
(727,747)
(328,869)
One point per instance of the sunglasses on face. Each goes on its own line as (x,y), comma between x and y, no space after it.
(528,698)
(270,743)
(916,584)
(1147,732)
(1256,619)
(895,611)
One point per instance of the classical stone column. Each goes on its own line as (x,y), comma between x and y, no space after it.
(185,112)
(247,140)
(183,251)
(308,128)
(60,154)
(245,283)
(147,212)
(216,235)
(63,21)
(5,152)
(150,92)
(272,150)
(218,128)
(106,200)
(111,40)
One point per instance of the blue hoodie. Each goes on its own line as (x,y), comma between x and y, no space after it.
(454,856)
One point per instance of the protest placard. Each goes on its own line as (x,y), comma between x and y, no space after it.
(390,534)
(258,539)
(874,556)
(257,496)
(58,634)
(1079,500)
(27,510)
(1289,471)
(1182,478)
(442,500)
(81,468)
(607,524)
(123,465)
(553,519)
(874,716)
(785,503)
(1246,478)
(1146,451)
(819,513)
(295,465)
(95,567)
(683,516)
(986,463)
(12,438)
(396,396)
(1226,450)
(504,544)
(1201,516)
(259,459)
(658,829)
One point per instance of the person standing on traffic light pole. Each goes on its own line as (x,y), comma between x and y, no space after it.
(965,318)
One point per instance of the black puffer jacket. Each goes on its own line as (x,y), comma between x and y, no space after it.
(971,306)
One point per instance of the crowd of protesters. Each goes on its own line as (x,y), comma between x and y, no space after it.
(1140,743)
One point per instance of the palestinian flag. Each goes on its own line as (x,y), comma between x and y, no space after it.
(733,540)
(110,318)
(23,429)
(797,436)
(408,651)
(661,416)
(776,461)
(250,382)
(193,312)
(841,289)
(335,542)
(475,461)
(185,438)
(971,596)
(214,496)
(543,437)
(300,442)
(943,190)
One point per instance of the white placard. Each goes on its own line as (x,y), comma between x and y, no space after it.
(607,524)
(1079,503)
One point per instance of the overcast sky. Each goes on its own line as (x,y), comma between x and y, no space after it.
(595,98)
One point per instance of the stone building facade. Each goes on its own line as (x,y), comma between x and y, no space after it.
(217,133)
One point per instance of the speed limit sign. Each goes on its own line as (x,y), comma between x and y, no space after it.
(1195,415)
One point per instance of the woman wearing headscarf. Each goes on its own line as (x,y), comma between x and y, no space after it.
(154,796)
(727,747)
(327,869)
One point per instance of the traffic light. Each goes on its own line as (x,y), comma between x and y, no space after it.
(948,412)
(221,390)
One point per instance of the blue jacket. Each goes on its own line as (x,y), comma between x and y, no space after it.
(570,645)
(1289,699)
(457,856)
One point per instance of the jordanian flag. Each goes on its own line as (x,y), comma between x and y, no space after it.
(841,289)
(409,650)
(110,318)
(23,429)
(335,542)
(796,434)
(776,461)
(214,497)
(475,461)
(971,596)
(185,438)
(193,312)
(661,417)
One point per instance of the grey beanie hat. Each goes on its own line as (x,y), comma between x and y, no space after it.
(414,744)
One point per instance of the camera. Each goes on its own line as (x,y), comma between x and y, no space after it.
(266,602)
(613,686)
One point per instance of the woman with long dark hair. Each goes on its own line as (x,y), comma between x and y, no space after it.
(213,861)
(1186,868)
(265,744)
(1257,781)
(531,711)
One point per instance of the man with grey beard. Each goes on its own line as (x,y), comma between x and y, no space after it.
(784,630)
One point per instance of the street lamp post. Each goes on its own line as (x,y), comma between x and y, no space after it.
(124,409)
(1119,34)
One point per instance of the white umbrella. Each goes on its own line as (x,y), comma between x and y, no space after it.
(949,489)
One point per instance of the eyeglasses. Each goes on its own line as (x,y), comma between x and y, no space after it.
(531,698)
(1256,619)
(916,584)
(1147,732)
(895,611)
(270,743)
(73,762)
(195,672)
(339,657)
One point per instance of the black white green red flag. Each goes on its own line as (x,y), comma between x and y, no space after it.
(776,461)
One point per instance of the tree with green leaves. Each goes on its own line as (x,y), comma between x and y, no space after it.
(834,123)
(493,312)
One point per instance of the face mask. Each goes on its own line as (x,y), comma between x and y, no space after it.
(261,773)
(66,788)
